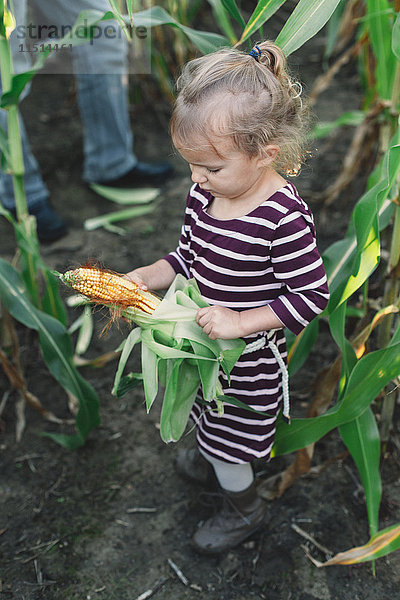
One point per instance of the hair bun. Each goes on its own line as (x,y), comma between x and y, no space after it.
(271,56)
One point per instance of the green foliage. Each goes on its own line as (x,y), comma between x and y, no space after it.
(380,544)
(350,263)
(21,295)
(57,353)
(368,377)
(362,439)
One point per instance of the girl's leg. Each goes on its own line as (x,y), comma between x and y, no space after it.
(211,472)
(243,511)
(231,477)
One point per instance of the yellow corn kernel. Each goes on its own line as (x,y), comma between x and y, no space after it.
(109,288)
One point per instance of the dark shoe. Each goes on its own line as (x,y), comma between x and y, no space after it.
(192,465)
(142,174)
(242,514)
(50,227)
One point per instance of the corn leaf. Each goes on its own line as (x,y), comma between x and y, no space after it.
(324,128)
(126,196)
(221,16)
(31,261)
(150,362)
(179,397)
(51,300)
(129,6)
(205,41)
(7,21)
(57,353)
(299,346)
(208,371)
(369,376)
(263,11)
(379,25)
(119,215)
(233,10)
(396,37)
(126,347)
(349,262)
(337,324)
(305,21)
(384,542)
(128,382)
(4,149)
(235,402)
(85,331)
(119,17)
(362,439)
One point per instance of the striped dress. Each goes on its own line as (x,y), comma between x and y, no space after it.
(268,256)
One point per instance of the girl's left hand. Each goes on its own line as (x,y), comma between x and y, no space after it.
(219,322)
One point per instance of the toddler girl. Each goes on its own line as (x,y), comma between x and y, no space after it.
(248,240)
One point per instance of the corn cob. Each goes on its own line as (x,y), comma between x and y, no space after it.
(108,288)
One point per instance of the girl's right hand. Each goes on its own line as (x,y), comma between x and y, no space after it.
(136,278)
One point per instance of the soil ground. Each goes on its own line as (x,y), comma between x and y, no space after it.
(69,524)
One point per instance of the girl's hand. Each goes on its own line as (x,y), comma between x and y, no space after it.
(136,278)
(219,322)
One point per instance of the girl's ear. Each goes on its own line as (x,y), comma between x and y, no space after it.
(268,156)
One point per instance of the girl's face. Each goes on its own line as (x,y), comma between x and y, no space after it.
(225,171)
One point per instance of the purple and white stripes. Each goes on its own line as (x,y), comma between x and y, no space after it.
(266,257)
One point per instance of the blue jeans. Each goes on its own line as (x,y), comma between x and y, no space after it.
(100,70)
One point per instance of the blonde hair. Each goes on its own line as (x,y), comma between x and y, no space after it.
(249,98)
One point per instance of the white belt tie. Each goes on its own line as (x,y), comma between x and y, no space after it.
(258,345)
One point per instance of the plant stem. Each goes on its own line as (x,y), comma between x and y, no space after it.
(391,296)
(16,161)
(14,136)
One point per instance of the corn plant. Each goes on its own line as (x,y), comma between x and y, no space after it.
(20,293)
(350,263)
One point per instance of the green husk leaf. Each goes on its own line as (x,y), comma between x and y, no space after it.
(119,215)
(128,382)
(126,196)
(179,396)
(177,355)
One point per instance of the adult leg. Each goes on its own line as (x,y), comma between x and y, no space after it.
(100,68)
(35,188)
(49,224)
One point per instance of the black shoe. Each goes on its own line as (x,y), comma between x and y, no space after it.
(50,227)
(142,174)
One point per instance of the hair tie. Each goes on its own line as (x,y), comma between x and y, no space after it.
(255,53)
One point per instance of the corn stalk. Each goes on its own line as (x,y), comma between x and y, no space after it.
(13,146)
(20,296)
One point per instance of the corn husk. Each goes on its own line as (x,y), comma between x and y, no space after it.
(177,356)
